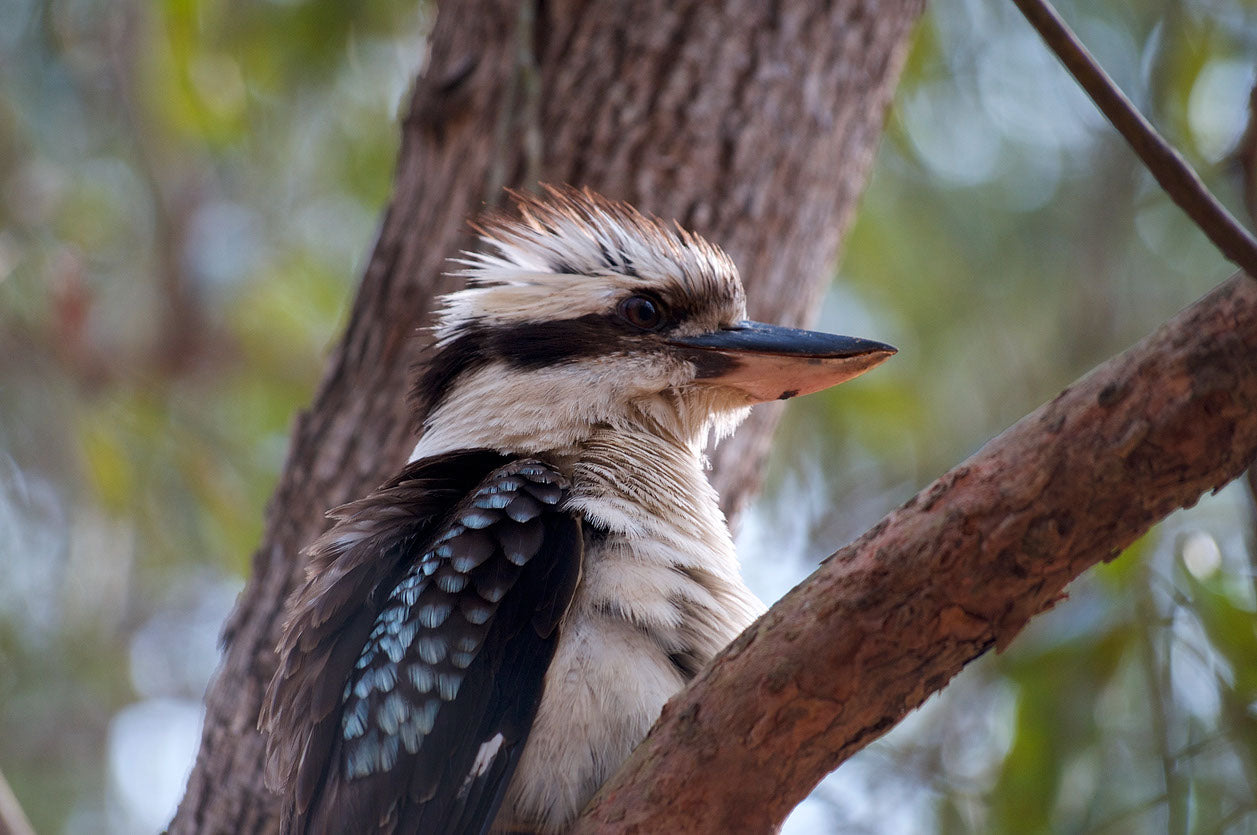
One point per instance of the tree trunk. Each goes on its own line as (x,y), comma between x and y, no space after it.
(752,123)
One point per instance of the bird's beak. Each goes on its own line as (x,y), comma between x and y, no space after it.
(768,362)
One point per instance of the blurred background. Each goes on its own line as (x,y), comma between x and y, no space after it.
(189,190)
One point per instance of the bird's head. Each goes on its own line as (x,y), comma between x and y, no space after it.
(581,313)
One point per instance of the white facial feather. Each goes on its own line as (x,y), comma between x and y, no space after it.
(570,255)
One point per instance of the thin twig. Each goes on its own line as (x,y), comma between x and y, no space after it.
(1175,175)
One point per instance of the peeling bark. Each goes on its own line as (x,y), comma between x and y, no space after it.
(957,570)
(752,123)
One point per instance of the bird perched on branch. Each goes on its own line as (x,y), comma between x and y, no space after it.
(481,642)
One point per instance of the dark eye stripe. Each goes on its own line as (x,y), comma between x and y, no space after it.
(527,346)
(532,345)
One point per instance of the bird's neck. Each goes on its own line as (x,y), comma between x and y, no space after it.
(558,415)
(629,478)
(642,485)
(646,486)
(667,563)
(637,467)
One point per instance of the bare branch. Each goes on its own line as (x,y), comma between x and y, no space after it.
(1175,175)
(959,569)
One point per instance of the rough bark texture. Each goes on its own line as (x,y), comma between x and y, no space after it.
(752,123)
(957,570)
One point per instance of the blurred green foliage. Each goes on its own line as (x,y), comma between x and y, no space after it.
(188,190)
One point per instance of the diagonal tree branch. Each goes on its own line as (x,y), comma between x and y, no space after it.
(889,620)
(1175,175)
(957,570)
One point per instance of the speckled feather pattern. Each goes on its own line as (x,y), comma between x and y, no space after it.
(452,645)
(436,619)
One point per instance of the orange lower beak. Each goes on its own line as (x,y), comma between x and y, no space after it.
(769,362)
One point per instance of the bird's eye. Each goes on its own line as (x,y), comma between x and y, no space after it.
(642,312)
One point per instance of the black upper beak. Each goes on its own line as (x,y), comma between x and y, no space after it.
(769,362)
(760,338)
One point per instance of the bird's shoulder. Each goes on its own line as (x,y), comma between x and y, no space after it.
(413,663)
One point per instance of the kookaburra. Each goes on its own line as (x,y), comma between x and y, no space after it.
(481,641)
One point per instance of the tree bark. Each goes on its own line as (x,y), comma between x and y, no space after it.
(752,123)
(959,569)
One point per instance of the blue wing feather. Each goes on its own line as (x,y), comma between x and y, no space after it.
(453,644)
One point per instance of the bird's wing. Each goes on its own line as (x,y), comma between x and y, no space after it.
(429,673)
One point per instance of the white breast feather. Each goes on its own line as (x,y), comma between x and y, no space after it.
(610,678)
